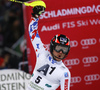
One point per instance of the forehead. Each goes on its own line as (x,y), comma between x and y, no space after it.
(60,46)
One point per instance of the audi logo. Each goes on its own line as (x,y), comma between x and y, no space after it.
(90,41)
(92,59)
(92,77)
(73,43)
(69,62)
(76,79)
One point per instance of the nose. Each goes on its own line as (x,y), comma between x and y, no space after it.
(61,51)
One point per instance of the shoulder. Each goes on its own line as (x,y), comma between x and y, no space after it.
(63,67)
(65,70)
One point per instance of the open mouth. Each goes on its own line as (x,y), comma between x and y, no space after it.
(59,56)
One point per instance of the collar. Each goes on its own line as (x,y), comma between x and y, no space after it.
(53,61)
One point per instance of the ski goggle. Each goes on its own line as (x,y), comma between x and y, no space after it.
(59,48)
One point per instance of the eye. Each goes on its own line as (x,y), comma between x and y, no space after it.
(65,49)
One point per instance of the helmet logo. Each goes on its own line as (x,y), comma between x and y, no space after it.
(63,40)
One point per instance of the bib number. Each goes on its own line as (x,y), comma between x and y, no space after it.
(38,79)
(44,69)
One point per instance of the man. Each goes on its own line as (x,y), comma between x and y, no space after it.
(49,72)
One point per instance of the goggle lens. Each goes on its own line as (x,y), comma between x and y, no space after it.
(59,48)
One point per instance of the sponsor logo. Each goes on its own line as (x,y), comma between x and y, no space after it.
(66,74)
(91,41)
(50,28)
(76,79)
(47,85)
(66,85)
(69,62)
(73,43)
(63,39)
(92,77)
(92,59)
(71,11)
(34,86)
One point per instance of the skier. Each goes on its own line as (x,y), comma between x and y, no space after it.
(49,72)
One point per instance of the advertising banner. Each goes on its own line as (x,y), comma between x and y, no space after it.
(80,21)
(12,79)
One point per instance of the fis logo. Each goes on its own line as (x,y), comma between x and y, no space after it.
(70,62)
(92,77)
(91,41)
(92,59)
